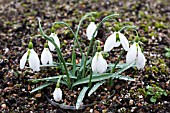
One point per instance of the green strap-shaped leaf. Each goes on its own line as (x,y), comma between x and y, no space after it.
(99,77)
(94,88)
(40,87)
(81,97)
(48,78)
(126,78)
(74,63)
(118,65)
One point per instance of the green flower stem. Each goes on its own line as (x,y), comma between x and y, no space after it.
(91,41)
(113,69)
(128,27)
(90,83)
(58,52)
(83,18)
(94,48)
(75,36)
(75,40)
(117,61)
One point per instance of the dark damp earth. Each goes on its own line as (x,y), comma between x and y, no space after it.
(18,21)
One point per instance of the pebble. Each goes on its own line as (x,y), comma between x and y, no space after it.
(114,98)
(3,106)
(91,110)
(38,95)
(95,111)
(130,102)
(117,87)
(140,96)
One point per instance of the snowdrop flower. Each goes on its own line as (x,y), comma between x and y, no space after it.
(90,30)
(112,41)
(135,55)
(56,40)
(46,56)
(99,64)
(57,94)
(33,60)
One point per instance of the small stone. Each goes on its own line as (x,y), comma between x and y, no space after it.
(133,87)
(117,87)
(38,95)
(114,98)
(65,41)
(91,110)
(95,111)
(139,104)
(77,61)
(140,96)
(104,111)
(130,102)
(3,106)
(10,84)
(29,88)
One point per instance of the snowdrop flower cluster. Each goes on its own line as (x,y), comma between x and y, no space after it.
(32,56)
(134,53)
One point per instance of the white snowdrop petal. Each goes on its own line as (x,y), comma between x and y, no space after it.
(140,63)
(110,42)
(50,57)
(57,94)
(44,56)
(90,30)
(56,40)
(116,44)
(23,60)
(94,63)
(101,64)
(51,46)
(124,41)
(34,61)
(131,54)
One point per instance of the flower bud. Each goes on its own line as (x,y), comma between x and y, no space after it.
(30,45)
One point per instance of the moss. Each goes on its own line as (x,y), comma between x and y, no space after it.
(155,69)
(142,91)
(141,13)
(8,23)
(56,26)
(52,29)
(144,39)
(160,25)
(108,24)
(153,34)
(69,60)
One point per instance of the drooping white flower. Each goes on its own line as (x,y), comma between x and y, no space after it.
(33,60)
(90,30)
(46,57)
(112,42)
(99,64)
(56,40)
(57,94)
(135,55)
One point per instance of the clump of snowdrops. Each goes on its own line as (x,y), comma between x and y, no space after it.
(93,69)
